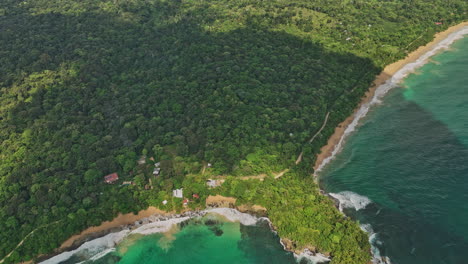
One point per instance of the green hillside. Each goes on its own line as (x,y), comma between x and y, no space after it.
(88,87)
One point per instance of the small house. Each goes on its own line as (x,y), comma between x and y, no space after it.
(196,196)
(178,193)
(111,178)
(157,164)
(209,165)
(127,183)
(185,202)
(438,23)
(164,202)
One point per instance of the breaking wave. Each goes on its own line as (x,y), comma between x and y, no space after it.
(95,249)
(377,257)
(99,247)
(311,257)
(351,200)
(387,86)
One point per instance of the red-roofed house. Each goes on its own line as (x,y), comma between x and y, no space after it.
(111,178)
(438,23)
(195,195)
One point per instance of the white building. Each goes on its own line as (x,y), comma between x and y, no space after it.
(156,171)
(178,193)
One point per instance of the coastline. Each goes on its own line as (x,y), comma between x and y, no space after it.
(118,221)
(327,152)
(150,215)
(125,220)
(105,239)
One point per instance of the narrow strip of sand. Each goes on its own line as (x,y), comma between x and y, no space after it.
(327,150)
(120,220)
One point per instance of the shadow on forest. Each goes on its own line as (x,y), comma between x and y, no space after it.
(83,89)
(175,84)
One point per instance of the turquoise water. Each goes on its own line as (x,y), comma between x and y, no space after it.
(410,157)
(202,241)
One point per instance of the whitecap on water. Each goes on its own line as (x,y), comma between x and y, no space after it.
(351,200)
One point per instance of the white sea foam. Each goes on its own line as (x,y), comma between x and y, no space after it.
(93,248)
(311,257)
(234,215)
(377,258)
(102,254)
(388,85)
(351,200)
(159,226)
(102,246)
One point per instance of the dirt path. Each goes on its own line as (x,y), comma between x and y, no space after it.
(299,158)
(24,239)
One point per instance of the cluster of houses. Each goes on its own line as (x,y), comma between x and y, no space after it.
(177,193)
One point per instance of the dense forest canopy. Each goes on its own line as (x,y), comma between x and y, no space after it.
(88,87)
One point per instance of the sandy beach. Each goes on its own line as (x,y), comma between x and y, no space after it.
(120,220)
(386,74)
(130,218)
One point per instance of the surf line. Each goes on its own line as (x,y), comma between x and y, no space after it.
(397,72)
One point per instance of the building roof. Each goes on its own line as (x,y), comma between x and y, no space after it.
(156,171)
(178,193)
(111,177)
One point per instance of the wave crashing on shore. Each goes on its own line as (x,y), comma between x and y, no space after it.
(377,257)
(100,247)
(351,200)
(95,248)
(387,86)
(311,258)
